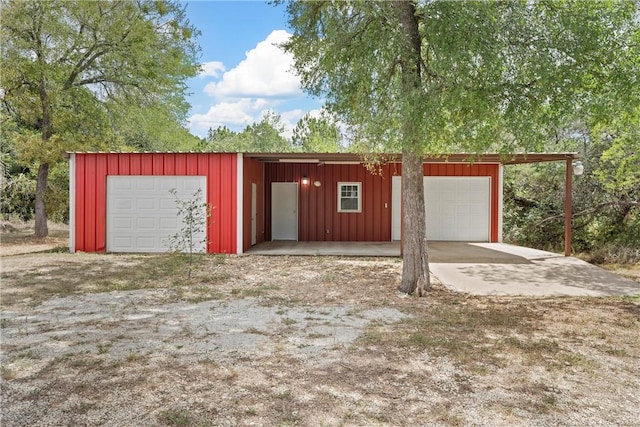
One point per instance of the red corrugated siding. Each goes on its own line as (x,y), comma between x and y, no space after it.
(318,216)
(253,172)
(458,169)
(91,179)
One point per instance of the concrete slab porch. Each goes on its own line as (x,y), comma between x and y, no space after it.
(291,247)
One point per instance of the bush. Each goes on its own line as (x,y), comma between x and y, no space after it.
(18,197)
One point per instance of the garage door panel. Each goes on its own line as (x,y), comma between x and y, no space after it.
(146,243)
(145,183)
(142,214)
(149,223)
(122,204)
(123,223)
(436,196)
(148,204)
(456,208)
(167,203)
(168,184)
(123,242)
(121,185)
(168,223)
(190,186)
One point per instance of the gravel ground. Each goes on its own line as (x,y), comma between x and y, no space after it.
(125,341)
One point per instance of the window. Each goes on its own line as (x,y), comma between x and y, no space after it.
(349,197)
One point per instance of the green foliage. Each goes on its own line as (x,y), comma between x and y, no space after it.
(262,137)
(17,196)
(153,127)
(317,134)
(194,214)
(492,76)
(606,199)
(58,193)
(619,167)
(18,185)
(436,77)
(93,75)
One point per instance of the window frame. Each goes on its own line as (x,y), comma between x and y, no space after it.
(358,185)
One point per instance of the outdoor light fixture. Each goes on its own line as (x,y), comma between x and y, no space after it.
(305,180)
(317,183)
(578,168)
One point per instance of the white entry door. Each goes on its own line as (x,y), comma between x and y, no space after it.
(284,211)
(142,214)
(457,208)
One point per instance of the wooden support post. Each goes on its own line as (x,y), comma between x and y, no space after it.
(568,214)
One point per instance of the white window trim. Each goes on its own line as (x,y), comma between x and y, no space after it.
(359,185)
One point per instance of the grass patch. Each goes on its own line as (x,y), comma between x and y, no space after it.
(177,417)
(103,348)
(134,357)
(476,335)
(460,331)
(119,273)
(7,374)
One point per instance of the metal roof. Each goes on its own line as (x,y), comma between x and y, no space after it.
(506,159)
(510,159)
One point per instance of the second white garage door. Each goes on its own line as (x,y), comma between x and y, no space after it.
(142,213)
(457,208)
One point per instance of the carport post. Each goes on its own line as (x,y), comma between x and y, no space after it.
(567,207)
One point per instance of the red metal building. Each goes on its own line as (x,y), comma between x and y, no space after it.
(120,202)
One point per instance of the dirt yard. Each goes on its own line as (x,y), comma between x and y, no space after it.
(128,340)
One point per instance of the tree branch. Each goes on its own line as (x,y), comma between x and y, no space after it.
(620,203)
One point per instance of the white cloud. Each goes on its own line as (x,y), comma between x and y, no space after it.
(263,81)
(212,69)
(265,72)
(290,119)
(231,114)
(235,115)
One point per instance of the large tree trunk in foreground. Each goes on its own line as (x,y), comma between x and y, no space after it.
(415,264)
(415,260)
(41,212)
(41,229)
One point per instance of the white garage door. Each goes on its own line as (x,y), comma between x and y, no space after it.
(142,213)
(457,208)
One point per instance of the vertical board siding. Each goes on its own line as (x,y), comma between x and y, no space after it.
(101,199)
(318,216)
(92,170)
(80,223)
(90,204)
(253,172)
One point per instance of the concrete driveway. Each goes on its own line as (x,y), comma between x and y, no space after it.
(482,268)
(501,269)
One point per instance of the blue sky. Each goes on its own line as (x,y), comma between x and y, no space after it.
(245,73)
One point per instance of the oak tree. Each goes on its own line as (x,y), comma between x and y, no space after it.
(435,77)
(71,69)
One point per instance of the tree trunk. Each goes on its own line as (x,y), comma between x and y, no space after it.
(415,259)
(415,264)
(41,229)
(41,212)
